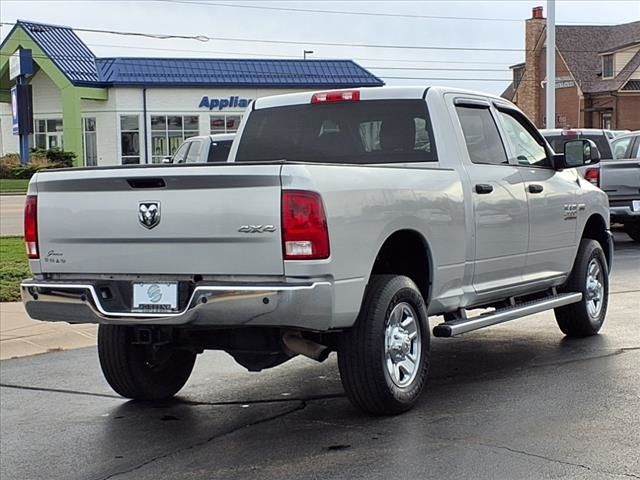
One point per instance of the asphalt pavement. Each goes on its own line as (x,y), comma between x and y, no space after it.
(11,213)
(515,401)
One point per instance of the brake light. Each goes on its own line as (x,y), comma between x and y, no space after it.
(340,96)
(569,133)
(31,226)
(592,175)
(304,226)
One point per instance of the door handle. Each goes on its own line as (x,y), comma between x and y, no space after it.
(484,188)
(535,188)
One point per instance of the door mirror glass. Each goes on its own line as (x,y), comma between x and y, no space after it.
(578,153)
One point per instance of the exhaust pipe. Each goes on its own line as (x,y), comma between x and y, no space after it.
(298,345)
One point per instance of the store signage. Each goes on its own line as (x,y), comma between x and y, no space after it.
(20,63)
(561,82)
(222,103)
(21,109)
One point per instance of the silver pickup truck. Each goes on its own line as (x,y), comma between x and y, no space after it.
(342,221)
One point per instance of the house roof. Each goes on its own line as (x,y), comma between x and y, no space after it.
(580,44)
(74,58)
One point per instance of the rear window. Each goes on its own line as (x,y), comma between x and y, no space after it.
(557,143)
(219,150)
(374,131)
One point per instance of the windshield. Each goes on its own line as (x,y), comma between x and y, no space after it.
(375,131)
(557,143)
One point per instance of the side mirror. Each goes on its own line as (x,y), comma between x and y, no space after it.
(578,153)
(167,160)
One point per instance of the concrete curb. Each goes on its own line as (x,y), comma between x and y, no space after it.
(20,336)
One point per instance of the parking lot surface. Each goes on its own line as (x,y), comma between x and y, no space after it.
(509,402)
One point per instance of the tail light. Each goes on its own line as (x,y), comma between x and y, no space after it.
(592,175)
(31,226)
(339,96)
(304,226)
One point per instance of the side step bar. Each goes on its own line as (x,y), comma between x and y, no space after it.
(458,326)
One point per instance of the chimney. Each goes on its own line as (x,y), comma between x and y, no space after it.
(530,90)
(537,13)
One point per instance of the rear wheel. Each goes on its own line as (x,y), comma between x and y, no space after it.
(590,277)
(141,372)
(384,358)
(633,230)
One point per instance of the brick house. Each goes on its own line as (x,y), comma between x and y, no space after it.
(597,75)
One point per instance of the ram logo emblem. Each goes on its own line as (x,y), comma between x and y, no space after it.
(256,228)
(149,214)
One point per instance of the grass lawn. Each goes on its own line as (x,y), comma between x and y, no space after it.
(12,185)
(14,268)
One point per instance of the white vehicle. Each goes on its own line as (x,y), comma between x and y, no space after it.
(203,149)
(342,221)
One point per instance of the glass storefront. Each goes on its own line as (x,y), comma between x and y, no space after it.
(168,132)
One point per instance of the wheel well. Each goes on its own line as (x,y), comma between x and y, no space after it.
(405,253)
(596,229)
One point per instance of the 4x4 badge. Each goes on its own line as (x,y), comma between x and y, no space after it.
(149,214)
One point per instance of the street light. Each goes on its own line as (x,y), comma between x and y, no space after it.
(305,52)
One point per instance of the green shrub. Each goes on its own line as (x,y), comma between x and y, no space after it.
(39,159)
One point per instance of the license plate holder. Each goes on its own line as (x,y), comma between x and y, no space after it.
(635,205)
(155,297)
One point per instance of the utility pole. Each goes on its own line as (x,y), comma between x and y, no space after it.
(551,65)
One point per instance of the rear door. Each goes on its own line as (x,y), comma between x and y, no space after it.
(499,201)
(207,220)
(551,197)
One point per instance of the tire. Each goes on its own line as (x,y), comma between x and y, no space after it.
(369,353)
(633,230)
(133,373)
(591,278)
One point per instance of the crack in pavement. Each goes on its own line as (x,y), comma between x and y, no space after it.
(302,406)
(179,401)
(555,460)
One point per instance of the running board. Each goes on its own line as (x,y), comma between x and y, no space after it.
(464,325)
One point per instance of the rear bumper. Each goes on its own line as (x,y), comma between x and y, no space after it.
(624,214)
(306,306)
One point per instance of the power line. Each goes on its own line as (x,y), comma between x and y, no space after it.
(345,12)
(166,36)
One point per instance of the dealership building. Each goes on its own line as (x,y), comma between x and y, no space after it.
(126,110)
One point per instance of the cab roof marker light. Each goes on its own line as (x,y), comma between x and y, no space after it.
(339,96)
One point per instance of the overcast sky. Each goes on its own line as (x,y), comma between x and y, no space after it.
(408,26)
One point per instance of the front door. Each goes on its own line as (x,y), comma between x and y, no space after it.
(499,202)
(551,196)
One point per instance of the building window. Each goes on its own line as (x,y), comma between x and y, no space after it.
(168,132)
(607,66)
(606,122)
(224,123)
(90,145)
(48,133)
(130,139)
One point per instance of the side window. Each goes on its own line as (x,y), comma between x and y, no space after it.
(194,152)
(181,153)
(481,136)
(524,145)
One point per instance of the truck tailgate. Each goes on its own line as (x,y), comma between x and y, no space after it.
(93,221)
(620,178)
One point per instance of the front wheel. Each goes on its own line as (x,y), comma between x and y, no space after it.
(590,276)
(384,358)
(141,372)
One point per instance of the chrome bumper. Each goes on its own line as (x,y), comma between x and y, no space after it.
(622,213)
(307,306)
